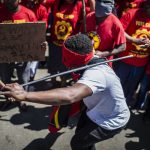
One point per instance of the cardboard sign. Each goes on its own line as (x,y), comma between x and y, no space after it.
(22,42)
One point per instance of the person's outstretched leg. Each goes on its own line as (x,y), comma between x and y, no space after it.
(88,134)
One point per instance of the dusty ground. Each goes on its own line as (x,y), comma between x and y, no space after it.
(28,130)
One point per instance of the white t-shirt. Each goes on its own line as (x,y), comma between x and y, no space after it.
(107,105)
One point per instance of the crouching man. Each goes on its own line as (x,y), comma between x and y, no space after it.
(105,113)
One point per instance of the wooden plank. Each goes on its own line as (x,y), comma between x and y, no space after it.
(22,42)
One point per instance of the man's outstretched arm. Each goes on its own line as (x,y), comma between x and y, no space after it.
(59,96)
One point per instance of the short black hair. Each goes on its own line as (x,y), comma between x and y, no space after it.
(79,43)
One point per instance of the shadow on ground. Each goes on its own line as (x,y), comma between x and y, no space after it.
(141,130)
(34,119)
(43,144)
(38,119)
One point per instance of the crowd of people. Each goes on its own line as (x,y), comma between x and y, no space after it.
(112,29)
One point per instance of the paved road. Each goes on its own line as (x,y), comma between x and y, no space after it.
(28,130)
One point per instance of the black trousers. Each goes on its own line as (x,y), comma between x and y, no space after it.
(88,133)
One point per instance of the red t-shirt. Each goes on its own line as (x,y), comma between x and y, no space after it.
(107,35)
(137,25)
(21,16)
(41,13)
(48,4)
(39,10)
(66,22)
(87,6)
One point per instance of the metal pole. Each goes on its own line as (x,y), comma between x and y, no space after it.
(84,15)
(76,69)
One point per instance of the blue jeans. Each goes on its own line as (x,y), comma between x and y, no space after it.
(144,87)
(130,77)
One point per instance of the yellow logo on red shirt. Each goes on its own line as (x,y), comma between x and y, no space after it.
(62,30)
(64,16)
(141,52)
(20,21)
(143,24)
(95,37)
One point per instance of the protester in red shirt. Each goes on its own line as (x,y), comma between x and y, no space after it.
(137,27)
(106,30)
(67,16)
(123,6)
(13,12)
(39,10)
(136,23)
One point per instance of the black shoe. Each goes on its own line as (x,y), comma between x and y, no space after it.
(5,106)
